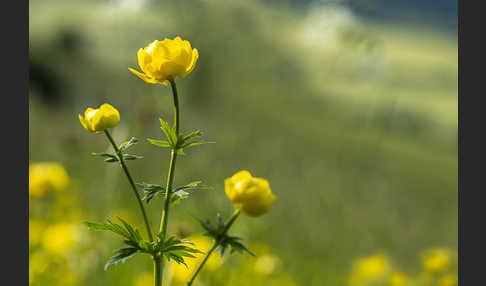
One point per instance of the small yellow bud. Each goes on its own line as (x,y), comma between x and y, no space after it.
(96,120)
(162,60)
(251,195)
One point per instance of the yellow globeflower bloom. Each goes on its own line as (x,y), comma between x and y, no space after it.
(251,195)
(369,268)
(59,238)
(162,60)
(436,260)
(266,264)
(45,177)
(96,120)
(181,273)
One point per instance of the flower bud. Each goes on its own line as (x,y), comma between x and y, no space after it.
(251,195)
(96,120)
(162,60)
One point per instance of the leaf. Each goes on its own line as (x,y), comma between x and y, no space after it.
(151,190)
(191,136)
(192,144)
(160,143)
(134,234)
(150,187)
(104,154)
(193,187)
(131,157)
(127,144)
(237,246)
(220,221)
(123,255)
(169,132)
(111,160)
(113,227)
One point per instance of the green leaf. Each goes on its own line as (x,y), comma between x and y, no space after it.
(111,160)
(192,144)
(160,143)
(193,187)
(110,226)
(191,136)
(131,157)
(169,132)
(127,144)
(134,234)
(122,255)
(177,196)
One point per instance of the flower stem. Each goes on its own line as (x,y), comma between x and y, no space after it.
(157,271)
(170,179)
(213,247)
(132,183)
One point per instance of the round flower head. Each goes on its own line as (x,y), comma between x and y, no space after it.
(251,195)
(96,120)
(162,60)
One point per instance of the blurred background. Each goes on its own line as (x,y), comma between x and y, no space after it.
(348,108)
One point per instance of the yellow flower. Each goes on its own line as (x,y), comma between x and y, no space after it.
(266,264)
(36,227)
(144,279)
(38,263)
(448,280)
(46,176)
(398,279)
(95,120)
(251,195)
(163,60)
(436,260)
(181,273)
(59,238)
(369,268)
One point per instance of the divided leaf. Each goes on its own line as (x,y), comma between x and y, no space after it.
(127,144)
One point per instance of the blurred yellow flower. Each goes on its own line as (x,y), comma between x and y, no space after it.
(448,280)
(436,260)
(96,120)
(36,228)
(162,60)
(398,279)
(59,238)
(181,273)
(251,195)
(46,176)
(144,279)
(369,268)
(266,264)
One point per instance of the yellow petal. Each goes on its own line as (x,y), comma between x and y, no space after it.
(195,56)
(145,77)
(84,122)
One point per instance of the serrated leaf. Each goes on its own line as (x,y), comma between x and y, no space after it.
(134,234)
(122,256)
(169,132)
(160,143)
(131,157)
(110,226)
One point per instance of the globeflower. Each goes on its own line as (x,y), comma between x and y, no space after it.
(59,238)
(369,268)
(45,177)
(251,195)
(436,260)
(96,120)
(163,60)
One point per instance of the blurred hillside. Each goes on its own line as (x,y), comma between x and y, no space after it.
(354,123)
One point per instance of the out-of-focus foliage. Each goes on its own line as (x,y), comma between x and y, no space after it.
(354,124)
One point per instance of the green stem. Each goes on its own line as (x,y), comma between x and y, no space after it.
(132,183)
(213,247)
(157,271)
(170,177)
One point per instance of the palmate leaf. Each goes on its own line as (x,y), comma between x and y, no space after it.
(176,249)
(122,255)
(127,231)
